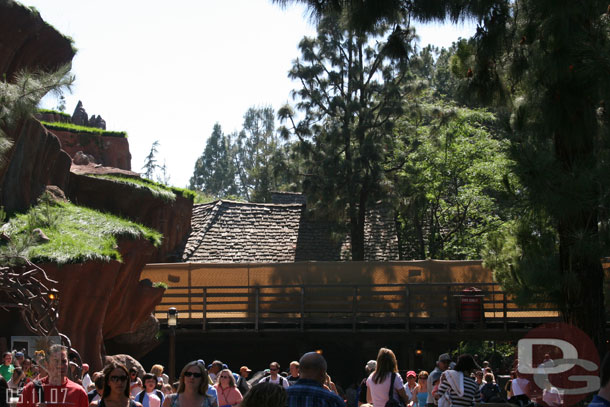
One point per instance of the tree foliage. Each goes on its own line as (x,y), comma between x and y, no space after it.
(214,172)
(150,162)
(19,99)
(351,92)
(451,187)
(246,165)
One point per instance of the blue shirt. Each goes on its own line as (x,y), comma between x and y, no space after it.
(599,402)
(309,393)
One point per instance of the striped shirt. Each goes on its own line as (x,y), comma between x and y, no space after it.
(471,393)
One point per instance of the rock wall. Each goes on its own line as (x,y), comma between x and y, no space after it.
(107,151)
(172,218)
(35,161)
(27,42)
(100,300)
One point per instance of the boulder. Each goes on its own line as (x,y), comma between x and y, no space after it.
(127,361)
(137,343)
(81,158)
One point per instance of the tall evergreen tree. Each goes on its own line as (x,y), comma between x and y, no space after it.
(150,162)
(214,172)
(255,147)
(556,55)
(351,92)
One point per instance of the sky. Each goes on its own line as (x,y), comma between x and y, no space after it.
(170,71)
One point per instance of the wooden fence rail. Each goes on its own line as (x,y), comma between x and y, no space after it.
(443,306)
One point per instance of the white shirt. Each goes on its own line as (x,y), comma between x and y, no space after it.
(153,400)
(86,381)
(269,379)
(380,391)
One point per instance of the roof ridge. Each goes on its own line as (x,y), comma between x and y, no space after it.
(255,203)
(206,226)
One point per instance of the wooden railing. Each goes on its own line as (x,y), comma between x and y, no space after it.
(425,306)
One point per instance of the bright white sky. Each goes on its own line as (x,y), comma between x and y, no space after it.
(169,71)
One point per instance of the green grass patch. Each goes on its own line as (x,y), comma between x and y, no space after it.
(159,190)
(73,128)
(76,234)
(50,111)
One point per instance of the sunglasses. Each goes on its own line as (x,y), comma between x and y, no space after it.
(195,375)
(273,370)
(224,377)
(120,378)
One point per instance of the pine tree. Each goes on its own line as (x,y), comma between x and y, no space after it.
(150,162)
(351,91)
(214,172)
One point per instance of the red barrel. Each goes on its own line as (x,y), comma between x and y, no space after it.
(471,305)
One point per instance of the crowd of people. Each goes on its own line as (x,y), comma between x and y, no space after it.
(43,380)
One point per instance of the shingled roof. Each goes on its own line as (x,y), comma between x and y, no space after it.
(238,232)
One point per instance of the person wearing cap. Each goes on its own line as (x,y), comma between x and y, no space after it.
(294,372)
(368,368)
(411,386)
(444,360)
(214,369)
(19,356)
(242,383)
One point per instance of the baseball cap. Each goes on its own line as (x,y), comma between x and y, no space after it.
(244,369)
(371,365)
(444,358)
(411,373)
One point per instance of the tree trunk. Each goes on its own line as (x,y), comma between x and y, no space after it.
(582,302)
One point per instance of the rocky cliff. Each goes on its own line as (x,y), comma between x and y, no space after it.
(107,151)
(27,42)
(98,300)
(35,161)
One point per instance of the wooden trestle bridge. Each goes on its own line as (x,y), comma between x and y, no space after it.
(343,307)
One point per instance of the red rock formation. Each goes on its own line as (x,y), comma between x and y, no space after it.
(172,218)
(108,151)
(35,161)
(99,300)
(28,42)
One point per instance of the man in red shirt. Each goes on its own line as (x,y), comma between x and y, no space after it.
(55,390)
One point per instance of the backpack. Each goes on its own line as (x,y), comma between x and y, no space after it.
(392,402)
(280,382)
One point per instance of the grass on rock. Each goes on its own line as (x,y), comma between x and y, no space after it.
(76,234)
(73,128)
(159,190)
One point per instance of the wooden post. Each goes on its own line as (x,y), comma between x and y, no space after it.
(505,310)
(256,306)
(172,354)
(407,309)
(302,308)
(449,307)
(205,308)
(354,308)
